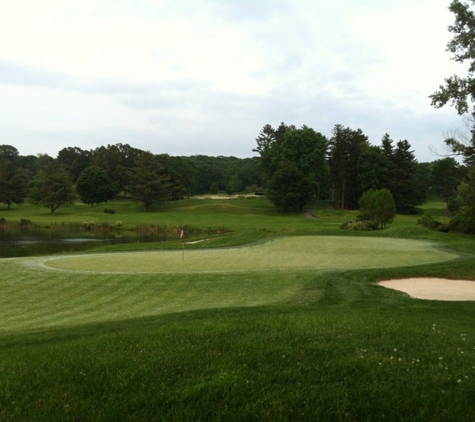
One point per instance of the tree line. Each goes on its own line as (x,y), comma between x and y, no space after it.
(299,164)
(95,176)
(294,166)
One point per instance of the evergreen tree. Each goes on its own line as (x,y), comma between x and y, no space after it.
(149,181)
(13,183)
(345,148)
(52,187)
(404,183)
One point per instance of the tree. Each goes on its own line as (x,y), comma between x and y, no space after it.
(377,205)
(404,184)
(464,219)
(460,91)
(74,160)
(289,188)
(445,175)
(295,153)
(116,160)
(52,187)
(374,169)
(267,141)
(94,186)
(182,176)
(149,182)
(234,185)
(13,183)
(345,147)
(8,152)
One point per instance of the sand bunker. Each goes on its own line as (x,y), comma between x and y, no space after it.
(433,288)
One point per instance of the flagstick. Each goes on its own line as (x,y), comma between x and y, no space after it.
(182,237)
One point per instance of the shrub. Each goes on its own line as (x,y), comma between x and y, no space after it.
(109,211)
(428,221)
(25,223)
(360,225)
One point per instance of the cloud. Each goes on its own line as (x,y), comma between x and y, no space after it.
(204,76)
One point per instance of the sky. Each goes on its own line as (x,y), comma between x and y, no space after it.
(189,77)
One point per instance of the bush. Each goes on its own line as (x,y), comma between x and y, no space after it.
(360,225)
(109,211)
(429,222)
(463,221)
(25,223)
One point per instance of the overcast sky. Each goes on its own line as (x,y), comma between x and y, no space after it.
(188,77)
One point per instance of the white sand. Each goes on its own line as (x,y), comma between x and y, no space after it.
(433,288)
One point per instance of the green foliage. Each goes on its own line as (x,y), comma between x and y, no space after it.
(377,205)
(374,168)
(404,183)
(464,218)
(74,160)
(460,91)
(13,183)
(117,161)
(94,186)
(295,153)
(446,174)
(345,148)
(52,187)
(289,188)
(431,223)
(149,182)
(358,224)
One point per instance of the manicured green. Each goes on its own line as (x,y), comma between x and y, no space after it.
(321,253)
(281,344)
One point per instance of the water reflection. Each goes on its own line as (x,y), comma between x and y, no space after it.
(17,242)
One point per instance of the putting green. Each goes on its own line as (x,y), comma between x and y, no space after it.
(304,252)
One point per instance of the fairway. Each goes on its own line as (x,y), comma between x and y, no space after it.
(300,252)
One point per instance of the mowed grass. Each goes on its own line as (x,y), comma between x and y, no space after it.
(299,252)
(285,343)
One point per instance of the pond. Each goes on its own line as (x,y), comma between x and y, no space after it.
(15,242)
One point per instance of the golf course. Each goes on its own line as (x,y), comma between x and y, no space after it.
(275,316)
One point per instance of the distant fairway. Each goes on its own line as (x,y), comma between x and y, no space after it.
(286,253)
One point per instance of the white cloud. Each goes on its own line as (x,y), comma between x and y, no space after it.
(203,76)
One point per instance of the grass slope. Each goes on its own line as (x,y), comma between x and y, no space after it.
(293,344)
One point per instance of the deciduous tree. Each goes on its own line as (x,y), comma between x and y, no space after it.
(94,186)
(378,205)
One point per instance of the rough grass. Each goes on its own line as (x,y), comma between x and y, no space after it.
(299,252)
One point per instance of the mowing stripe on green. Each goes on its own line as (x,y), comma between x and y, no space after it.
(305,252)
